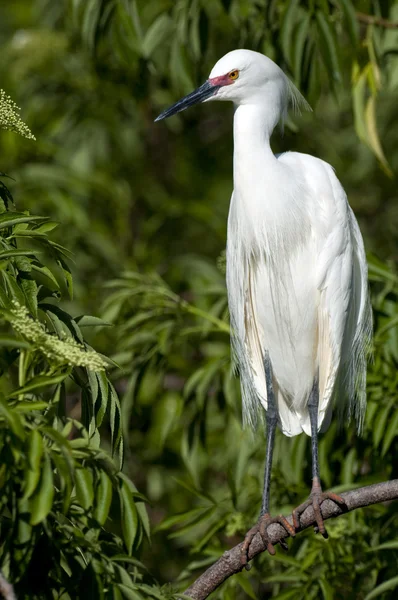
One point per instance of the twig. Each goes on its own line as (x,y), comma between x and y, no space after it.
(6,589)
(373,20)
(229,563)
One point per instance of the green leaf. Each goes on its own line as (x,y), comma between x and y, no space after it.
(115,419)
(89,321)
(327,590)
(129,515)
(90,21)
(160,29)
(38,382)
(327,45)
(64,469)
(33,471)
(301,39)
(103,498)
(102,399)
(65,318)
(67,275)
(391,584)
(12,418)
(13,289)
(140,506)
(129,593)
(29,405)
(358,94)
(351,20)
(12,342)
(42,501)
(13,253)
(84,487)
(46,227)
(386,546)
(246,585)
(45,271)
(380,423)
(286,33)
(12,218)
(390,433)
(373,135)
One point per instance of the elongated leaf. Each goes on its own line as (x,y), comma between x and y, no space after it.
(391,584)
(386,546)
(373,135)
(115,419)
(12,342)
(91,15)
(65,474)
(103,498)
(45,271)
(41,381)
(287,27)
(13,253)
(33,471)
(42,500)
(246,585)
(67,275)
(156,34)
(351,20)
(390,433)
(380,423)
(102,400)
(328,47)
(12,218)
(129,593)
(89,321)
(301,39)
(65,318)
(129,516)
(84,487)
(27,406)
(13,419)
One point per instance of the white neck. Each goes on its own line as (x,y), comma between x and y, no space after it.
(253,126)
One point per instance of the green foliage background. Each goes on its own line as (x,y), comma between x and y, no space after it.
(142,211)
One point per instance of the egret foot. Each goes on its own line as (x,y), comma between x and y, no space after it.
(261,528)
(316,498)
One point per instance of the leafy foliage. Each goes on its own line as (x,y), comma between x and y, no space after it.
(135,200)
(57,483)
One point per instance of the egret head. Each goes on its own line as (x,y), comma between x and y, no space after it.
(243,77)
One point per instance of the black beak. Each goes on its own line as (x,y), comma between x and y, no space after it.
(202,93)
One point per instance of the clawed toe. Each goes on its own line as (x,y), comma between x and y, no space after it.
(261,528)
(316,500)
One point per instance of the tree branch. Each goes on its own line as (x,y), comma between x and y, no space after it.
(6,589)
(373,20)
(229,563)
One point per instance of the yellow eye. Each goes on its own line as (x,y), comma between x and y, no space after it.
(233,74)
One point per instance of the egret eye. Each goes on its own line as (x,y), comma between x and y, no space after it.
(233,74)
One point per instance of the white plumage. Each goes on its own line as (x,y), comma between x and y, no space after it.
(296,267)
(296,276)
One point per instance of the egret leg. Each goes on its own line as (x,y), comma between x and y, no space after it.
(265,518)
(317,496)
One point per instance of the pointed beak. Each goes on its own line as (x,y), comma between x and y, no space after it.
(202,93)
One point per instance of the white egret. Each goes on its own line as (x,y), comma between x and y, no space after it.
(296,275)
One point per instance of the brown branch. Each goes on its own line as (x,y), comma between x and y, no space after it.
(229,563)
(373,20)
(6,589)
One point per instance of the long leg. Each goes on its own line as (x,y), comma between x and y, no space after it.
(265,518)
(271,420)
(317,496)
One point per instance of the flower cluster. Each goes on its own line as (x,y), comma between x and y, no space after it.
(65,351)
(10,119)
